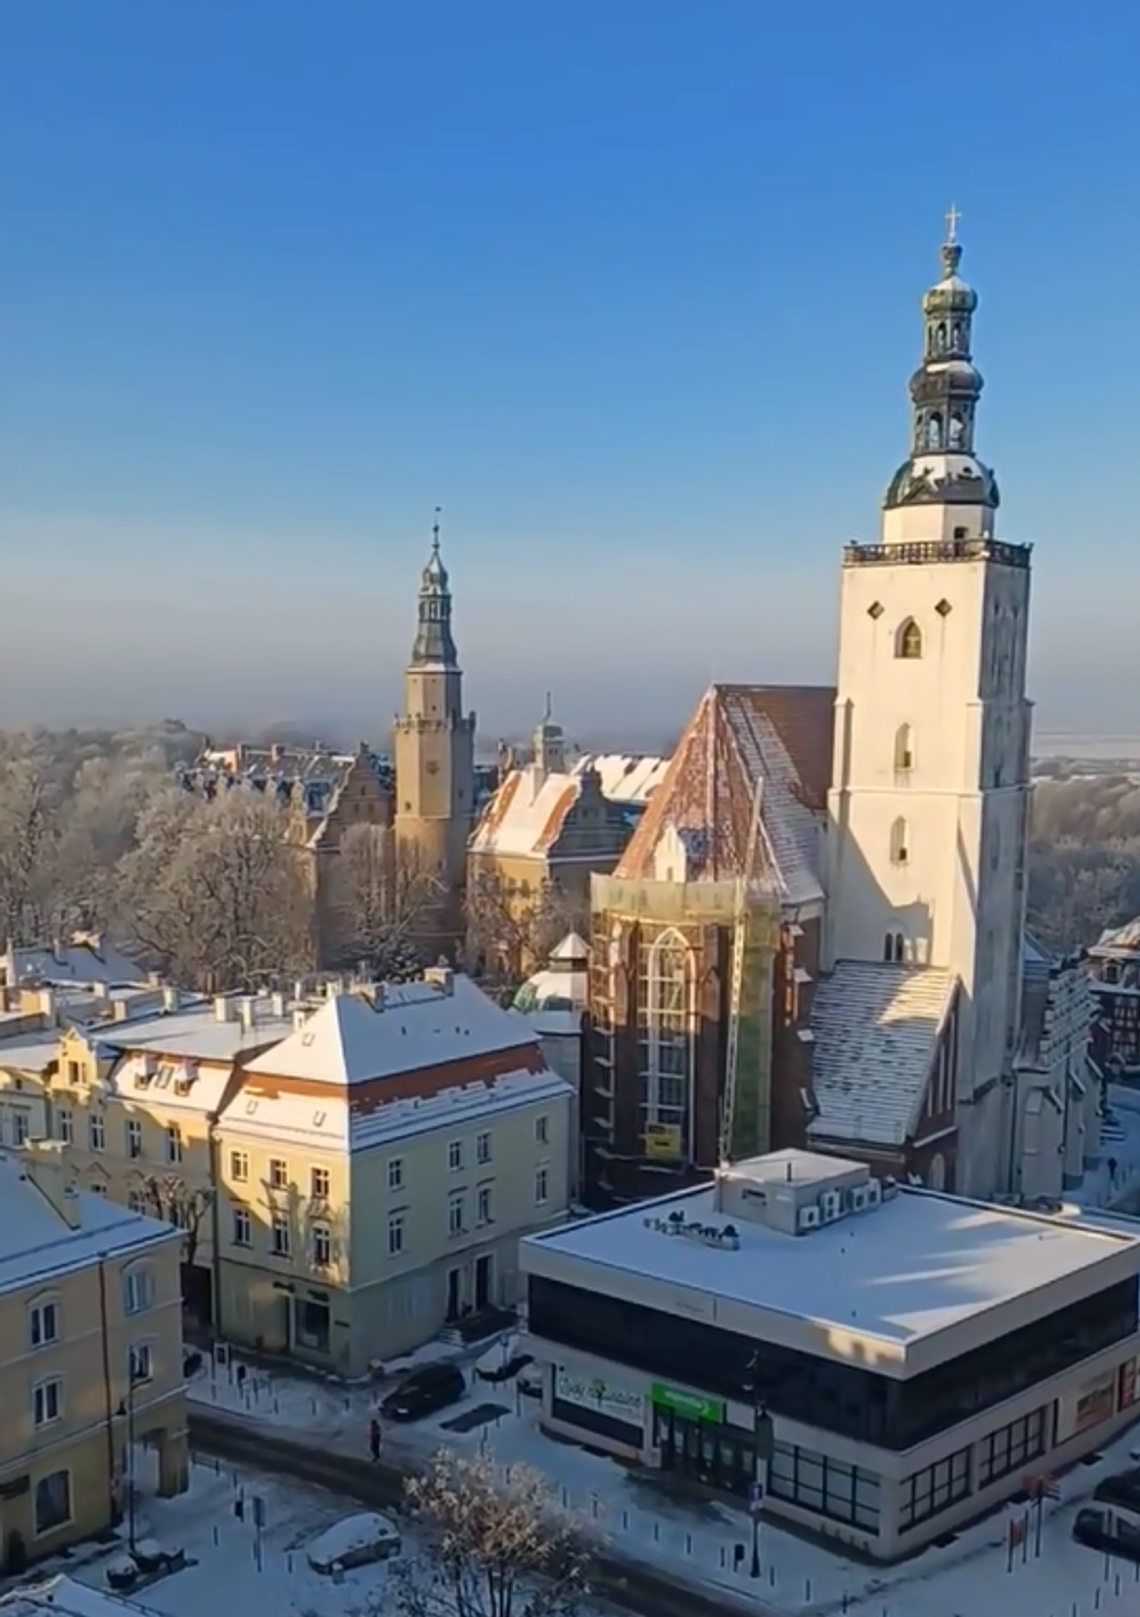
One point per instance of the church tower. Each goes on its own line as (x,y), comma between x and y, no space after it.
(930,798)
(434,748)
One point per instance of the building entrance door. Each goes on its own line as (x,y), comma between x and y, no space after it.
(716,1456)
(454,1294)
(482,1283)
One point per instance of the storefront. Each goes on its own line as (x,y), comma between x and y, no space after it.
(694,1439)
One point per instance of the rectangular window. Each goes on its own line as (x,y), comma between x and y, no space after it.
(96,1134)
(832,1488)
(542,1130)
(239,1167)
(47,1401)
(136,1202)
(138,1291)
(484,1209)
(395,1234)
(73,1073)
(483,1148)
(455,1156)
(98,1188)
(279,1243)
(278,1173)
(64,1125)
(134,1137)
(319,1185)
(928,1493)
(455,1213)
(243,1227)
(322,1245)
(43,1324)
(396,1173)
(541,1184)
(140,1363)
(1011,1448)
(173,1144)
(53,1502)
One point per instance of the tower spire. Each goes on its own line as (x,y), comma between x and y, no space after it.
(434,646)
(944,391)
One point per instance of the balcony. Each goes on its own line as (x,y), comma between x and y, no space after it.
(922,552)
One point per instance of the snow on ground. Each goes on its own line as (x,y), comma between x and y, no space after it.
(694,1539)
(1120,1146)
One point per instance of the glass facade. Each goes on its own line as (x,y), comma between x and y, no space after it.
(845,1493)
(1012,1447)
(935,1489)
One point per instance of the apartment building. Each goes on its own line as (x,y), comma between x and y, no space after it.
(378,1167)
(90,1355)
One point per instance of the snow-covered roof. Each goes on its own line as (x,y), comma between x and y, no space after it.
(742,736)
(625,779)
(920,1264)
(572,948)
(198,1031)
(527,814)
(354,1038)
(875,1032)
(37,1242)
(176,1086)
(68,1598)
(1124,938)
(85,958)
(29,1052)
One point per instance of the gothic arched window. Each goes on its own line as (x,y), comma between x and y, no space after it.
(900,842)
(956,336)
(908,641)
(900,949)
(957,435)
(934,431)
(665,1032)
(940,338)
(904,749)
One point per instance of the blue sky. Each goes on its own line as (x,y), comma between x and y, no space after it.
(629,287)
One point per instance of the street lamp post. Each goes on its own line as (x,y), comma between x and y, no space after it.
(761,1450)
(127,1408)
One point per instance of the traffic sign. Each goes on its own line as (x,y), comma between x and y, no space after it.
(755,1496)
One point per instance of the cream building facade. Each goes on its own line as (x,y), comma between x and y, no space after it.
(930,786)
(90,1355)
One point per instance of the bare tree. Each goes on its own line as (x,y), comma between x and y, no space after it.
(386,892)
(28,847)
(511,929)
(169,1197)
(501,1546)
(218,895)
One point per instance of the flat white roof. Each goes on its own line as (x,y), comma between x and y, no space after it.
(920,1264)
(67,1598)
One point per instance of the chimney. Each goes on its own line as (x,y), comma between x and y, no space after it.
(48,1008)
(221,1008)
(57,950)
(102,990)
(442,976)
(299,988)
(277,1005)
(300,1017)
(171,998)
(277,751)
(43,1165)
(154,979)
(120,1010)
(247,1011)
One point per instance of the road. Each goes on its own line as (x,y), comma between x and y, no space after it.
(622,1582)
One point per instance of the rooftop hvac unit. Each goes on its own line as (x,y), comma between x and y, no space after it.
(808,1218)
(859,1198)
(830,1206)
(874,1192)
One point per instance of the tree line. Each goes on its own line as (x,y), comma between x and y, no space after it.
(1084,858)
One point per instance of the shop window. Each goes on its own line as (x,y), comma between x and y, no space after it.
(832,1488)
(1011,1447)
(927,1493)
(53,1502)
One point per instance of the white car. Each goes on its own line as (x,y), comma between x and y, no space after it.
(354,1541)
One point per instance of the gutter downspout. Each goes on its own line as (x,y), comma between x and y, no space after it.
(108,1388)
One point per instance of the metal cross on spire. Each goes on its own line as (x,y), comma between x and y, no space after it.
(435,530)
(953,219)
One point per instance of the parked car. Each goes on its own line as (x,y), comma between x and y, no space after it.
(432,1387)
(531,1379)
(502,1361)
(1110,1531)
(354,1541)
(1122,1488)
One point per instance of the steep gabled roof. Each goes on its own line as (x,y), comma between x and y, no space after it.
(741,735)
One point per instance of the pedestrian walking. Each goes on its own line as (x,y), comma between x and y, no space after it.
(374,1439)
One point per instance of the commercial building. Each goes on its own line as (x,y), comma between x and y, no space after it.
(920,1355)
(90,1355)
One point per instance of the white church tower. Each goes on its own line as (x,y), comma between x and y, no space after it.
(929,806)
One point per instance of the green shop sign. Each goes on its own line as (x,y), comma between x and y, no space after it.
(689,1404)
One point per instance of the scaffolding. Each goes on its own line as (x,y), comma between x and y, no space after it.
(749,915)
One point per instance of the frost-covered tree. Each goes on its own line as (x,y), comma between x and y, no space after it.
(499,1545)
(511,931)
(385,894)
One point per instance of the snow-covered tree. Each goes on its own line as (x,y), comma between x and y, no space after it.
(385,893)
(511,931)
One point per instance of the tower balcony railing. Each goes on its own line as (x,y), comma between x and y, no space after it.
(920,552)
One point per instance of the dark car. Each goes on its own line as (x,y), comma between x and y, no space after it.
(496,1374)
(1108,1531)
(433,1387)
(1122,1488)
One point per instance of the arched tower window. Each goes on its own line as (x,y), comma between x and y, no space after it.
(665,1033)
(908,642)
(900,842)
(904,749)
(934,430)
(940,338)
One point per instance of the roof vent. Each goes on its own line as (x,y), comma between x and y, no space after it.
(221,1008)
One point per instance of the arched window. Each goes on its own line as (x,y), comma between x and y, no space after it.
(908,642)
(900,949)
(893,947)
(665,1035)
(900,839)
(940,339)
(934,431)
(936,1173)
(904,749)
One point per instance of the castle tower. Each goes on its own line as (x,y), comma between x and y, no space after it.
(930,796)
(549,744)
(434,748)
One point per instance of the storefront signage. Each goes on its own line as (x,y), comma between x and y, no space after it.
(690,1405)
(1128,1383)
(662,1141)
(592,1392)
(1090,1405)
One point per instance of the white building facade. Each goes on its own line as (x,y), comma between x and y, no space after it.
(794,1327)
(929,804)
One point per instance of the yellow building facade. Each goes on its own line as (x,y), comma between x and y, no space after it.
(90,1356)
